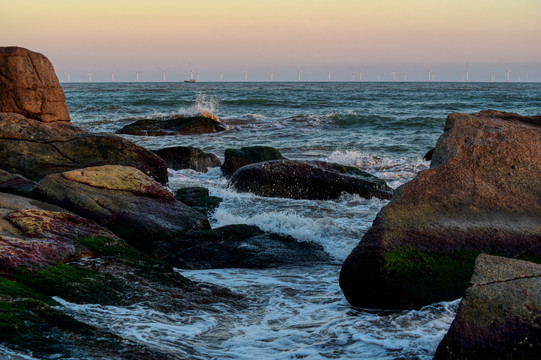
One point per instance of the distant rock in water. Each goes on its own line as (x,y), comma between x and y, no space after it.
(29,86)
(481,194)
(307,180)
(123,199)
(187,157)
(179,125)
(500,314)
(234,159)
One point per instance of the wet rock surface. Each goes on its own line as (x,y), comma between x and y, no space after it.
(237,246)
(307,180)
(180,125)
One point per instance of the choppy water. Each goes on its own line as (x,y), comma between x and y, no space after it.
(294,312)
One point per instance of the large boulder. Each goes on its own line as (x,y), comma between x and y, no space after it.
(481,194)
(237,246)
(187,157)
(29,86)
(33,233)
(35,149)
(123,199)
(500,314)
(307,180)
(178,125)
(234,159)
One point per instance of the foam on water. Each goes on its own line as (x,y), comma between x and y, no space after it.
(291,313)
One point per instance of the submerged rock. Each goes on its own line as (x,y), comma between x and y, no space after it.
(29,86)
(500,314)
(237,246)
(199,199)
(307,180)
(123,199)
(234,159)
(481,194)
(187,157)
(179,125)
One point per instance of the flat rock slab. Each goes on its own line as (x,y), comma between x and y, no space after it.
(500,314)
(234,159)
(180,125)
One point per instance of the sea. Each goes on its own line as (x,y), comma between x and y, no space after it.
(292,312)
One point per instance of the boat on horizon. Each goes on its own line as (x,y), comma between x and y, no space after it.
(192,80)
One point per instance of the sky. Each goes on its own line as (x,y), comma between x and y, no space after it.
(314,37)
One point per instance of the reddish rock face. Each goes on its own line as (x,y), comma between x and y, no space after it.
(33,233)
(29,86)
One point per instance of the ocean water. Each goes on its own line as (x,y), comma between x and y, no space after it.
(293,312)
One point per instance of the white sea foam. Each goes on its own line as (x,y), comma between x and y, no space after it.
(396,171)
(291,313)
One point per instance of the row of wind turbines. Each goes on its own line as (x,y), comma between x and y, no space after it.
(465,76)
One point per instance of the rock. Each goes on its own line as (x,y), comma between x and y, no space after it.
(33,233)
(187,157)
(117,275)
(29,86)
(35,149)
(123,199)
(234,159)
(428,155)
(307,180)
(236,246)
(481,194)
(16,184)
(179,125)
(198,198)
(500,314)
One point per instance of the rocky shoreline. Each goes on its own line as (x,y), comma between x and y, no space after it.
(86,218)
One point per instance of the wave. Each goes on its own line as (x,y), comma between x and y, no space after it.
(251,101)
(396,171)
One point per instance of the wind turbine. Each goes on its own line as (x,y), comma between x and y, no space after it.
(329,76)
(112,76)
(90,76)
(246,76)
(405,76)
(299,78)
(137,76)
(360,75)
(272,76)
(394,75)
(69,77)
(163,74)
(507,71)
(221,76)
(429,74)
(378,77)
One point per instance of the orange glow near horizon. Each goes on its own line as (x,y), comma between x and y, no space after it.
(295,33)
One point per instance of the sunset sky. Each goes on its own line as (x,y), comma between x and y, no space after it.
(284,36)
